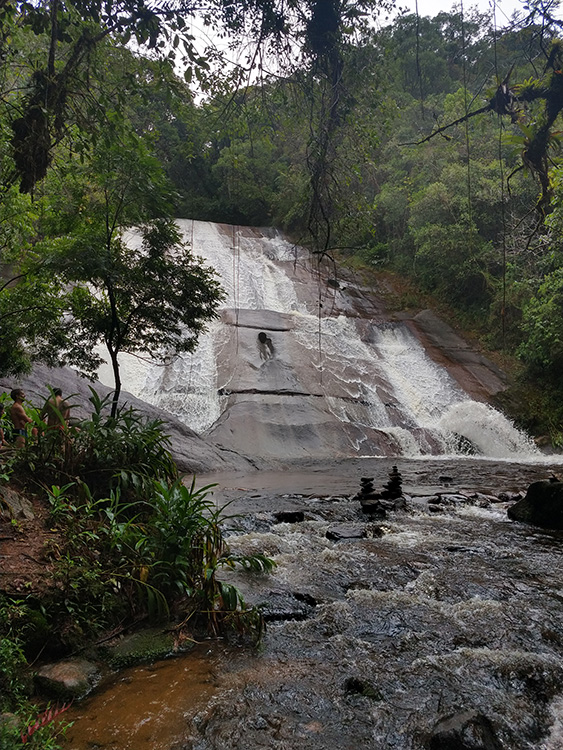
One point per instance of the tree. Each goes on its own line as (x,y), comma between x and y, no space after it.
(142,293)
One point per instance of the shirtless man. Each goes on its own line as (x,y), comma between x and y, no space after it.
(56,410)
(19,417)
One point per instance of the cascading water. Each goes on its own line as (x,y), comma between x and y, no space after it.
(276,379)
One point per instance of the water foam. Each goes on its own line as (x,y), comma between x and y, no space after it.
(374,377)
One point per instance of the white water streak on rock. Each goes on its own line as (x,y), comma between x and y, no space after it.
(376,380)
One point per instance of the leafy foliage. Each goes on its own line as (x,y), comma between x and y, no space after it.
(135,540)
(102,453)
(164,551)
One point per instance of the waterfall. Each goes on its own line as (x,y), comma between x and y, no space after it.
(298,365)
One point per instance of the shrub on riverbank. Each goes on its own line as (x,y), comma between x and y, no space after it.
(128,543)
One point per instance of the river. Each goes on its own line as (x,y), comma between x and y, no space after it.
(370,641)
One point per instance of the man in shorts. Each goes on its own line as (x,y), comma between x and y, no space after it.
(19,417)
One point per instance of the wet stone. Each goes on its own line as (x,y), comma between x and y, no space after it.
(374,508)
(508,497)
(68,679)
(453,499)
(286,605)
(467,730)
(341,532)
(289,516)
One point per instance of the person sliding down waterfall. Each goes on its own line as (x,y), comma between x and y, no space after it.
(265,346)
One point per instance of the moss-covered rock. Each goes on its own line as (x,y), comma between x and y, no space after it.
(142,647)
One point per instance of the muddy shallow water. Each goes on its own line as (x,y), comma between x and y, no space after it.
(372,640)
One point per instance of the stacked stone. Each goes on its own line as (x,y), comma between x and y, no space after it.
(366,486)
(369,499)
(378,503)
(394,487)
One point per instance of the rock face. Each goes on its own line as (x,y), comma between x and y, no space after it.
(302,365)
(192,453)
(542,505)
(476,374)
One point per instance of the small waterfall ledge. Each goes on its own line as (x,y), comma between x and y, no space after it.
(301,364)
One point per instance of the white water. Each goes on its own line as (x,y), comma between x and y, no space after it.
(360,387)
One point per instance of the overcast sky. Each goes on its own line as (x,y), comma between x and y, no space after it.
(504,8)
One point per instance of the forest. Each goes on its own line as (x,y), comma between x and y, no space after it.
(425,147)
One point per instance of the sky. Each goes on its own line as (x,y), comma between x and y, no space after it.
(504,8)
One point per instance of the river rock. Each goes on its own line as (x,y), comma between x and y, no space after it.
(467,730)
(289,516)
(452,499)
(287,605)
(68,679)
(346,531)
(542,505)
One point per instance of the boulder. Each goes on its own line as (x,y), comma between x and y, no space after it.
(16,506)
(67,679)
(467,730)
(542,505)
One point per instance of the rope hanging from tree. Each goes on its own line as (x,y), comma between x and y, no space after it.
(502,195)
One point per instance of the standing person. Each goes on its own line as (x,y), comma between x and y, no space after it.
(19,417)
(56,410)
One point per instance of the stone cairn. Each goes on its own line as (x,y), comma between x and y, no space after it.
(376,504)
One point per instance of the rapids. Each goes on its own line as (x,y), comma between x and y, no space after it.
(370,641)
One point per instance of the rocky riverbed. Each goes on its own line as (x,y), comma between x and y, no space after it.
(439,623)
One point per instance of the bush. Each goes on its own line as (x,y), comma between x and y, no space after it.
(148,556)
(105,453)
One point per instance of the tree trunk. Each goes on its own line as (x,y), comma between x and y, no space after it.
(117,380)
